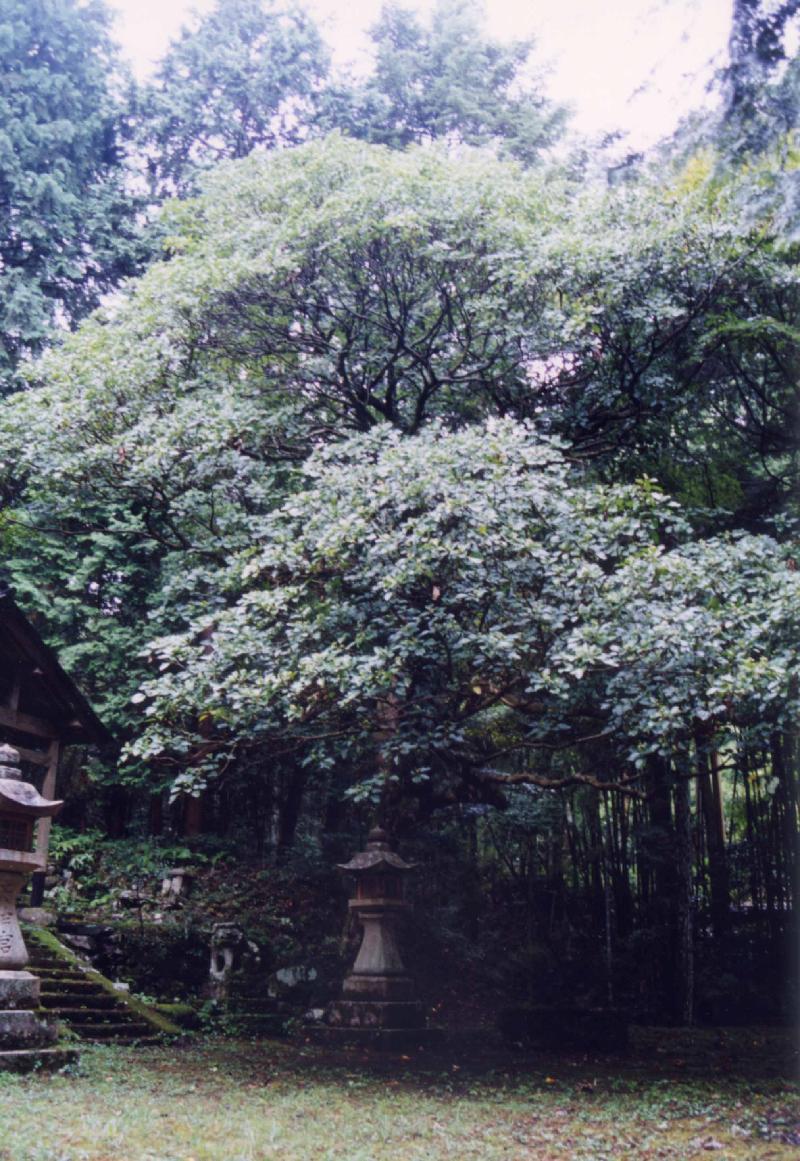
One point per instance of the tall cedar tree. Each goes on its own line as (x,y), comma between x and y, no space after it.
(445,81)
(67,228)
(239,78)
(760,82)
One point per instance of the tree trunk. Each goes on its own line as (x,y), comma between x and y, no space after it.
(669,965)
(786,796)
(116,806)
(289,811)
(155,815)
(192,815)
(711,803)
(753,869)
(684,982)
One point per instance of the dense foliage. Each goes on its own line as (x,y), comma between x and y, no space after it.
(67,227)
(447,81)
(236,80)
(452,602)
(426,288)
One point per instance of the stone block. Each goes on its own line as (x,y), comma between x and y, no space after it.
(24,1029)
(37,916)
(37,1059)
(18,990)
(378,1039)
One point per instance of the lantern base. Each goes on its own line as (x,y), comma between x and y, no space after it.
(23,1028)
(18,989)
(375,1014)
(24,1031)
(363,986)
(385,1025)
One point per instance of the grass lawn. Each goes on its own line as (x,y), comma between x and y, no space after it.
(678,1095)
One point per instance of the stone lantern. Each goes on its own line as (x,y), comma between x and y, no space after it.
(377,1005)
(22,1031)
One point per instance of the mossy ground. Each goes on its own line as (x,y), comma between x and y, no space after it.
(678,1095)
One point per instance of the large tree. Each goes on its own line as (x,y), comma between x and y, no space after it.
(67,226)
(353,490)
(238,78)
(327,290)
(445,81)
(360,286)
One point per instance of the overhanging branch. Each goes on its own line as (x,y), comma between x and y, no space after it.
(528,778)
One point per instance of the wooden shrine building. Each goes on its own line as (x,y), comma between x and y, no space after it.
(41,709)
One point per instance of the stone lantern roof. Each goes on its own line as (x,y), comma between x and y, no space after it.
(378,856)
(20,797)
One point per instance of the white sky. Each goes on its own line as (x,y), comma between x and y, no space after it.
(632,64)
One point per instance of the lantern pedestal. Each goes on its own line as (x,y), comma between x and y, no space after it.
(27,1037)
(377,1008)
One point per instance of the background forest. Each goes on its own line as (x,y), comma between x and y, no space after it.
(371,449)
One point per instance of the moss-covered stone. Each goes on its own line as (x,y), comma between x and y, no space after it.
(184,1015)
(146,1014)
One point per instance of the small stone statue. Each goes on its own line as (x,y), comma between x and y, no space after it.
(228,944)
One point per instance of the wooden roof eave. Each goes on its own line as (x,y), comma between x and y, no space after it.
(76,722)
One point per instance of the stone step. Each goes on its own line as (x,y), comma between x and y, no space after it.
(53,984)
(55,979)
(70,972)
(53,970)
(269,1025)
(251,1004)
(88,1015)
(119,1031)
(45,959)
(72,1001)
(85,1002)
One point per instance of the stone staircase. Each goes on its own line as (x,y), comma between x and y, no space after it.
(85,1001)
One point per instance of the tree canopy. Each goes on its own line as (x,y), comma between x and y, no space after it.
(330,291)
(446,81)
(67,226)
(237,79)
(438,608)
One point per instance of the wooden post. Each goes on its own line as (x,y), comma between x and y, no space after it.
(44,824)
(13,700)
